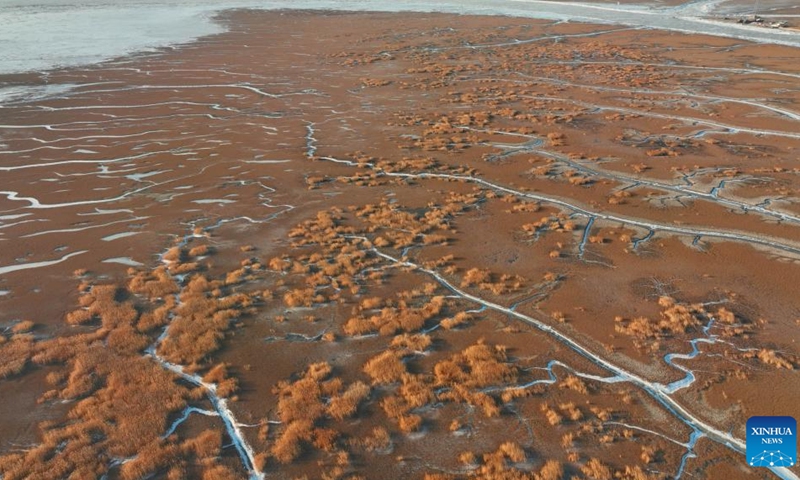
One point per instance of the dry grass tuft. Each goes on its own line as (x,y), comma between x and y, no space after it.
(400,318)
(386,367)
(218,375)
(552,470)
(596,470)
(574,383)
(15,353)
(345,405)
(306,405)
(409,423)
(413,343)
(380,440)
(201,321)
(24,326)
(479,365)
(288,446)
(153,284)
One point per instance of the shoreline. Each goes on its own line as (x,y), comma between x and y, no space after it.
(126,31)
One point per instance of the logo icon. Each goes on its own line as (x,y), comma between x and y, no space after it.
(771,442)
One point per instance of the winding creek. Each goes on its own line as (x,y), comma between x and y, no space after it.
(784,245)
(657,391)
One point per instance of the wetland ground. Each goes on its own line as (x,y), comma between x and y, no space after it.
(401,245)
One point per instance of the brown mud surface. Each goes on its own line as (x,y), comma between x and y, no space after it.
(352,245)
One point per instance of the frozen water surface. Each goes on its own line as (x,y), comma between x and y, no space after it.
(41,37)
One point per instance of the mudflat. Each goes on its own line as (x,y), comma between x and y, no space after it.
(373,245)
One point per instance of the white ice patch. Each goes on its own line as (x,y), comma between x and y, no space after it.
(137,177)
(213,200)
(119,235)
(47,263)
(23,92)
(100,211)
(124,261)
(14,217)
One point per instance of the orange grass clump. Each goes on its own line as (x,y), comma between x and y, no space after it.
(153,284)
(399,318)
(679,318)
(479,365)
(15,353)
(415,343)
(345,405)
(386,367)
(121,403)
(24,326)
(226,385)
(596,470)
(502,463)
(306,404)
(485,280)
(200,321)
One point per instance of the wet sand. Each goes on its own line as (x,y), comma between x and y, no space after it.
(380,241)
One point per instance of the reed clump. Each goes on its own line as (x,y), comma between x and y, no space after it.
(120,404)
(386,367)
(401,317)
(596,470)
(153,284)
(345,405)
(226,384)
(201,320)
(508,462)
(16,350)
(308,405)
(477,366)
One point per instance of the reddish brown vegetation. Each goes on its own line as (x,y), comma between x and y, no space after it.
(497,284)
(201,320)
(15,353)
(679,318)
(399,318)
(122,400)
(479,365)
(307,404)
(103,382)
(386,367)
(218,375)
